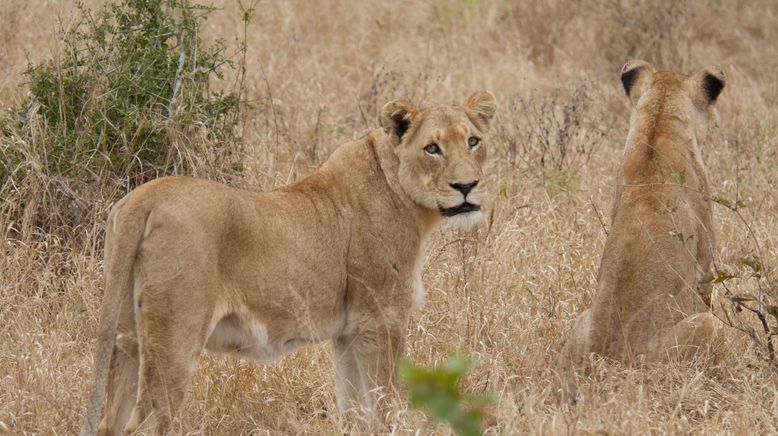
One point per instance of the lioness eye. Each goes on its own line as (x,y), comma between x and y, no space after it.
(473,141)
(432,148)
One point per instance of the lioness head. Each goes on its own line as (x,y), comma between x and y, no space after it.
(688,98)
(441,151)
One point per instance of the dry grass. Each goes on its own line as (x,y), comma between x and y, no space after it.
(317,74)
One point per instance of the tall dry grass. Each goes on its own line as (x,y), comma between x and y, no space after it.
(316,75)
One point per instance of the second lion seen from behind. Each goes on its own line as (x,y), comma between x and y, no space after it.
(652,301)
(192,265)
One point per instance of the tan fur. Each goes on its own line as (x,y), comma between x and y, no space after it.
(192,264)
(650,305)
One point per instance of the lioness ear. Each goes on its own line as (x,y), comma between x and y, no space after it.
(396,117)
(635,75)
(480,108)
(707,85)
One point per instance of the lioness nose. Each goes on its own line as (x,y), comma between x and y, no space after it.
(464,188)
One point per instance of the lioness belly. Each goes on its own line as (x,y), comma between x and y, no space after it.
(250,339)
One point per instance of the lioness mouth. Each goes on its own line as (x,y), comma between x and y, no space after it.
(465,207)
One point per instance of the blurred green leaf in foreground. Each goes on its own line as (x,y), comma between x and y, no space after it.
(436,392)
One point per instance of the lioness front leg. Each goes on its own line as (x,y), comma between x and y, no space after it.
(349,389)
(376,351)
(685,339)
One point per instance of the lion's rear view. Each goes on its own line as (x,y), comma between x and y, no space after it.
(650,305)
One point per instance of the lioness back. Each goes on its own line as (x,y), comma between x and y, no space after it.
(221,234)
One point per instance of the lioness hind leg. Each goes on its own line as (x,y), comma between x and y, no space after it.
(122,385)
(572,356)
(172,336)
(686,339)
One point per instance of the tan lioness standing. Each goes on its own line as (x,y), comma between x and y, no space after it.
(650,305)
(192,264)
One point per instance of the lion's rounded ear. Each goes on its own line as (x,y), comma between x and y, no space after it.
(707,85)
(635,75)
(396,117)
(480,108)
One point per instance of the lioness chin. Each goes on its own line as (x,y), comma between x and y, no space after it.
(193,264)
(652,304)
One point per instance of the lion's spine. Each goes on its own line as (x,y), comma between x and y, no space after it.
(120,256)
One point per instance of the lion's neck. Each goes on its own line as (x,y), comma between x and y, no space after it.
(661,148)
(361,176)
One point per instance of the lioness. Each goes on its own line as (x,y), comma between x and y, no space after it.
(193,264)
(651,304)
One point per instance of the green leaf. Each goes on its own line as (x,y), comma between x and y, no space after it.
(562,181)
(504,190)
(721,277)
(723,201)
(755,264)
(436,392)
(679,176)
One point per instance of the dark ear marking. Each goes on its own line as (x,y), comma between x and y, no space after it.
(401,125)
(396,117)
(712,86)
(635,78)
(628,79)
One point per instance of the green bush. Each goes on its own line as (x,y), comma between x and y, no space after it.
(129,100)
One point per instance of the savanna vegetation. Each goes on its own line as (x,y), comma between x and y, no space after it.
(96,99)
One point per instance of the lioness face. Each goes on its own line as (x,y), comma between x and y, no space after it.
(441,153)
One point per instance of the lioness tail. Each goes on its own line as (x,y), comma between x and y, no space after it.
(120,253)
